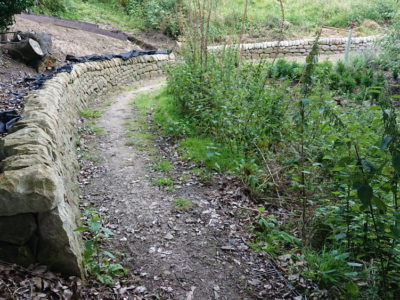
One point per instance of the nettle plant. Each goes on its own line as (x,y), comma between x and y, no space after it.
(98,262)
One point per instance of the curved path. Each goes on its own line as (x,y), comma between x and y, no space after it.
(200,253)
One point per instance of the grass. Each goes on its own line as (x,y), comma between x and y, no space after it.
(138,139)
(90,157)
(304,15)
(90,123)
(163,182)
(163,166)
(263,15)
(104,12)
(99,131)
(212,155)
(90,113)
(107,104)
(182,204)
(202,151)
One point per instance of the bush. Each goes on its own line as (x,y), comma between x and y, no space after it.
(391,55)
(284,140)
(8,8)
(156,14)
(52,7)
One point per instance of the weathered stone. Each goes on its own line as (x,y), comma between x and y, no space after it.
(29,190)
(61,247)
(17,230)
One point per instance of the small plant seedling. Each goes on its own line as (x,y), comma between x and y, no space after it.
(90,123)
(99,131)
(132,143)
(163,182)
(90,114)
(90,157)
(100,263)
(182,204)
(163,166)
(107,104)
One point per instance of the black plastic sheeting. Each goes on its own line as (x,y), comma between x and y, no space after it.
(9,117)
(124,56)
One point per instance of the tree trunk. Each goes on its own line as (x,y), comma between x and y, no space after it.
(27,50)
(43,39)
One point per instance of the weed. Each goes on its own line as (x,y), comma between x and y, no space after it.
(89,113)
(203,175)
(91,123)
(331,270)
(98,262)
(163,166)
(138,139)
(163,182)
(99,131)
(90,157)
(107,104)
(182,204)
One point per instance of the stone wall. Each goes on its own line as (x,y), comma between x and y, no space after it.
(39,207)
(39,193)
(302,47)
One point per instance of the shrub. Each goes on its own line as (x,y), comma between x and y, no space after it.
(157,14)
(53,7)
(8,8)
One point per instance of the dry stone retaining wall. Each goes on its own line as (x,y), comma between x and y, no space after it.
(39,193)
(38,166)
(302,47)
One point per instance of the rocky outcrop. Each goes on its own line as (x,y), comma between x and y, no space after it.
(39,194)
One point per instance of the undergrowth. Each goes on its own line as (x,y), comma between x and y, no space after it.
(98,262)
(317,139)
(302,16)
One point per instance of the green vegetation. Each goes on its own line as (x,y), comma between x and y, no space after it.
(99,263)
(155,14)
(262,19)
(182,204)
(90,156)
(318,139)
(52,7)
(163,182)
(127,15)
(9,8)
(163,166)
(99,131)
(303,15)
(89,113)
(138,139)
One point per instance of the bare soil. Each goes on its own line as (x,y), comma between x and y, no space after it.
(74,41)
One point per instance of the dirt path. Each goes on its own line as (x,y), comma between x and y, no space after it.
(197,254)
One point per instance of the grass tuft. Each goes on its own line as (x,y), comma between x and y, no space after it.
(90,113)
(182,204)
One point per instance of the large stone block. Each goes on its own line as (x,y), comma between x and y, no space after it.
(60,246)
(17,230)
(30,190)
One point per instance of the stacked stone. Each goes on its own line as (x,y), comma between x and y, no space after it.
(39,193)
(302,47)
